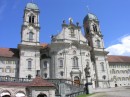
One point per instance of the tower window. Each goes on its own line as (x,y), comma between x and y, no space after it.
(31,19)
(30,36)
(98,43)
(102,66)
(29,76)
(45,75)
(29,65)
(94,28)
(45,64)
(75,61)
(61,73)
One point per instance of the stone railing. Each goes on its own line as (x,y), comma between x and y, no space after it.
(13,79)
(75,94)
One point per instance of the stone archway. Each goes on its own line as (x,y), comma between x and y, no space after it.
(5,94)
(42,95)
(20,94)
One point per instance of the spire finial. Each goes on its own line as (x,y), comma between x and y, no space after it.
(88,8)
(70,20)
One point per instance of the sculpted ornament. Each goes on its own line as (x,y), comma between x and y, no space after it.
(87,73)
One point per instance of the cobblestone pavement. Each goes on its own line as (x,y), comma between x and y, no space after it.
(114,92)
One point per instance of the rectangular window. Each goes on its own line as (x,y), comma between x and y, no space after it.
(61,63)
(30,36)
(29,65)
(3,61)
(8,69)
(1,70)
(45,65)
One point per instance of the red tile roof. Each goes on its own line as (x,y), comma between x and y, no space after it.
(38,81)
(44,45)
(9,52)
(13,84)
(114,58)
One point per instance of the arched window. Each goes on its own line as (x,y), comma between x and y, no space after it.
(45,65)
(5,94)
(61,62)
(29,76)
(29,64)
(61,73)
(94,28)
(123,78)
(74,52)
(113,71)
(98,43)
(45,75)
(20,94)
(42,95)
(104,77)
(31,19)
(30,36)
(110,72)
(102,67)
(75,61)
(117,71)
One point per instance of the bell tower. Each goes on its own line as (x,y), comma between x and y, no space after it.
(29,47)
(98,53)
(30,28)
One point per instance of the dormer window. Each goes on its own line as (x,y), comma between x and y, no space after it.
(30,36)
(61,63)
(94,28)
(72,32)
(31,19)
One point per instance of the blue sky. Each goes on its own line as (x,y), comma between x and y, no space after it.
(114,17)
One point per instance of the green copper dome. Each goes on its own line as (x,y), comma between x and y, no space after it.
(32,6)
(92,16)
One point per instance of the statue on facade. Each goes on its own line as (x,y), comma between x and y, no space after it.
(87,73)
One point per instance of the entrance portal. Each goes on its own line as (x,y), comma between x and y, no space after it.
(42,95)
(76,80)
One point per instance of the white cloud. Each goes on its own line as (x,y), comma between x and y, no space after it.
(122,48)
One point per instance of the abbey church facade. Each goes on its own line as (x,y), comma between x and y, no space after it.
(67,56)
